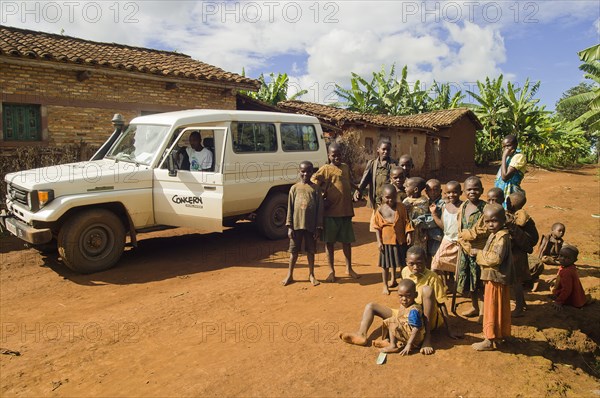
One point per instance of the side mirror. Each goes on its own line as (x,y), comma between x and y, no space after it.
(171,164)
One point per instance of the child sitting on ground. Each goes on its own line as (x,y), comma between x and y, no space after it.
(523,236)
(304,221)
(497,273)
(568,289)
(393,230)
(495,195)
(417,207)
(433,189)
(472,234)
(406,328)
(430,293)
(397,178)
(548,250)
(444,261)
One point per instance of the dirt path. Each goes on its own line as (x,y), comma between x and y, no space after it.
(192,314)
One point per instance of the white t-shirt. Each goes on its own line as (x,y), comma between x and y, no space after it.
(200,160)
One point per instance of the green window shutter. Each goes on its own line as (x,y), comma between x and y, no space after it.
(21,122)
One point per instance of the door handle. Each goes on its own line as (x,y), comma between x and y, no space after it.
(209,188)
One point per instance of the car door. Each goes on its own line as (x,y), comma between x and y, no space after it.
(191,199)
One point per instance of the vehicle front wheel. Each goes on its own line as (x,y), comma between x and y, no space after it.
(272,215)
(91,241)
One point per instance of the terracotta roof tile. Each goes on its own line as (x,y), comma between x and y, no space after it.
(15,42)
(433,121)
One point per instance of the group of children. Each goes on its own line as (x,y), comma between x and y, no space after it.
(473,247)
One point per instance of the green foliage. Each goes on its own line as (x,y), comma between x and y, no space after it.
(570,112)
(546,140)
(389,95)
(273,91)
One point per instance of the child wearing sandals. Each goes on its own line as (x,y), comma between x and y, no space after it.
(394,233)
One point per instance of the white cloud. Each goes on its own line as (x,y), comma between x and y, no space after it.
(443,40)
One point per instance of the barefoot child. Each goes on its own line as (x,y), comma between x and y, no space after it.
(446,258)
(393,230)
(548,250)
(495,260)
(417,207)
(432,293)
(335,181)
(304,221)
(428,287)
(523,237)
(568,289)
(406,328)
(472,234)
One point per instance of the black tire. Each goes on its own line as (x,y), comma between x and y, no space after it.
(271,217)
(91,241)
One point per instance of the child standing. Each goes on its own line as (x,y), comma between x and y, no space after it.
(393,230)
(335,181)
(495,260)
(417,207)
(376,175)
(406,328)
(397,179)
(304,221)
(446,258)
(568,289)
(433,189)
(523,236)
(472,234)
(548,250)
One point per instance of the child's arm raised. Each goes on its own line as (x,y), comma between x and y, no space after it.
(438,221)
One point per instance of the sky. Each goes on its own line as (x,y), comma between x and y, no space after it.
(320,43)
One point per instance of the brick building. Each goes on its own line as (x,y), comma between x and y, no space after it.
(60,90)
(441,143)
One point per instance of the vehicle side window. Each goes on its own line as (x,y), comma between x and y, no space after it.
(299,137)
(249,137)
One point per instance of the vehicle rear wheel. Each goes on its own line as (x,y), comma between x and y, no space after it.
(272,215)
(91,241)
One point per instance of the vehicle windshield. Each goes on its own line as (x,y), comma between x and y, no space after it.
(138,144)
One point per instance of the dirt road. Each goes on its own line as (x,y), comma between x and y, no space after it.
(192,314)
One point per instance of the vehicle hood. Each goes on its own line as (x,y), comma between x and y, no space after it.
(81,177)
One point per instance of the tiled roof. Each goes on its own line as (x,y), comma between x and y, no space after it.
(433,121)
(22,43)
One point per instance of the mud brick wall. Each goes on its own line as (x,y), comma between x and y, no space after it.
(76,111)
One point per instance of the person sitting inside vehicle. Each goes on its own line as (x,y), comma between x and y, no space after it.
(196,157)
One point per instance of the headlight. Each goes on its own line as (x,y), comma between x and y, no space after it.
(45,196)
(39,198)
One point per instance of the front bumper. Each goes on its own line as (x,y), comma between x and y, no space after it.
(23,231)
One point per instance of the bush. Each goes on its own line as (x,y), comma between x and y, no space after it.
(25,158)
(353,153)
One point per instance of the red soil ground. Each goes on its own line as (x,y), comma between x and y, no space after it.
(204,314)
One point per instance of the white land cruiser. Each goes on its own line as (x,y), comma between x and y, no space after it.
(86,209)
